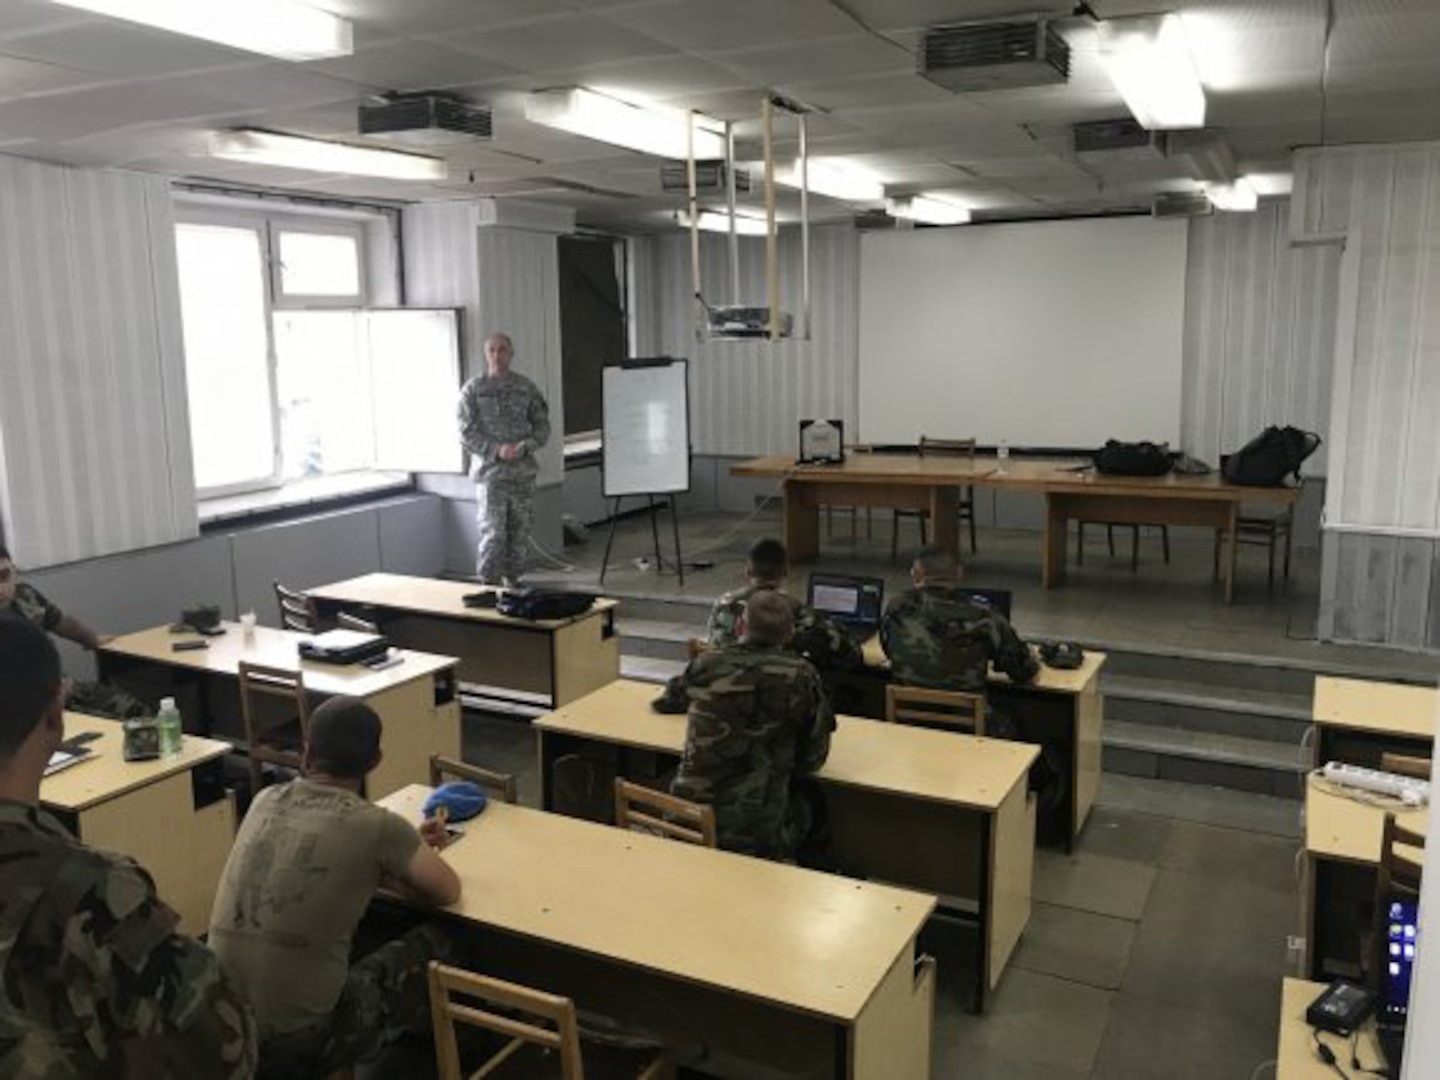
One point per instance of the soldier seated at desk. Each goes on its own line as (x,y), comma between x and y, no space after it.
(815,637)
(759,724)
(306,863)
(97,982)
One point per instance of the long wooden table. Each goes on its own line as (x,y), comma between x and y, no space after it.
(1357,719)
(1065,709)
(1342,854)
(904,481)
(172,815)
(1295,1057)
(930,810)
(543,662)
(415,699)
(756,961)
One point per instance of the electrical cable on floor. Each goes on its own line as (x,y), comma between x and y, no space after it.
(1327,1055)
(555,560)
(765,500)
(1271,1065)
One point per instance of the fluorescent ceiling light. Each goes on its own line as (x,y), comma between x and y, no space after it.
(1239,196)
(647,128)
(1150,64)
(929,209)
(281,28)
(1272,183)
(835,178)
(294,152)
(711,221)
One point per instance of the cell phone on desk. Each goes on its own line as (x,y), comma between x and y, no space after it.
(189,646)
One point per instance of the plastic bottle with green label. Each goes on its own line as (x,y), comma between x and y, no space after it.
(168,720)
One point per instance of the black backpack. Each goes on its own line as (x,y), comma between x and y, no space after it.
(1270,458)
(525,603)
(1132,459)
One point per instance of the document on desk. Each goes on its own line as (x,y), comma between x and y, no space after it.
(63,759)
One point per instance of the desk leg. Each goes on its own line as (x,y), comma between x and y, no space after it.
(802,522)
(1008,883)
(1057,524)
(545,750)
(891,1039)
(945,518)
(1231,532)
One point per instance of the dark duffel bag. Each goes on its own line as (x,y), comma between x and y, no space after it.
(1118,458)
(1271,458)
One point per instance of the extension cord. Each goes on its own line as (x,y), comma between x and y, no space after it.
(1409,790)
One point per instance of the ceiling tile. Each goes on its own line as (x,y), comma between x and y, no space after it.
(410,65)
(888,15)
(22,16)
(676,78)
(852,55)
(872,91)
(420,17)
(707,26)
(62,117)
(113,47)
(21,77)
(558,44)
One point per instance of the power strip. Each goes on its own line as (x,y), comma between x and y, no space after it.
(1408,789)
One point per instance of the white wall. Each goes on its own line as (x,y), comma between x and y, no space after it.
(94,427)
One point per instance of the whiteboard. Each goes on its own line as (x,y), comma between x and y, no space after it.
(1046,334)
(646,434)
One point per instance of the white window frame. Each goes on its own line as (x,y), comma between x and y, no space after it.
(269,222)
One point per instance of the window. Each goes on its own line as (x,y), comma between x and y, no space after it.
(289,375)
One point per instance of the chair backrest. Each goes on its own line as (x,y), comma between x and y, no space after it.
(346,621)
(947,447)
(952,709)
(647,810)
(502,784)
(530,1017)
(274,682)
(1406,765)
(297,611)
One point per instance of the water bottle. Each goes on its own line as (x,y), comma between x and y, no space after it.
(168,720)
(1003,456)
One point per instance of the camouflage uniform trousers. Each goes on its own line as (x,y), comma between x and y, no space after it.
(386,995)
(503,512)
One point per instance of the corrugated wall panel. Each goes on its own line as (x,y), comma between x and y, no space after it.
(97,453)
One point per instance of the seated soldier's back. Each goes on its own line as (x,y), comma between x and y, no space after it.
(305,865)
(942,638)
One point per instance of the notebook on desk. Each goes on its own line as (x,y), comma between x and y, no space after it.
(344,647)
(64,757)
(854,603)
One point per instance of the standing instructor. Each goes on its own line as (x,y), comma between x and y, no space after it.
(503,420)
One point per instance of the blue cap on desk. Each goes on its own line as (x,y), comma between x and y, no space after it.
(462,800)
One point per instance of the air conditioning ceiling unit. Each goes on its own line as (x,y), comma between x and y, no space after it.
(1173,204)
(995,55)
(427,118)
(1106,139)
(709,177)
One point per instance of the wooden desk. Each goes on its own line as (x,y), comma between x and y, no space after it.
(1342,849)
(1356,719)
(415,699)
(544,662)
(1295,1058)
(758,961)
(911,482)
(173,815)
(960,803)
(1064,709)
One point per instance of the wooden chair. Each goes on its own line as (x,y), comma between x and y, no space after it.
(501,784)
(280,745)
(1267,531)
(953,710)
(297,611)
(939,448)
(346,621)
(1406,765)
(1110,527)
(644,809)
(529,1019)
(831,509)
(1398,877)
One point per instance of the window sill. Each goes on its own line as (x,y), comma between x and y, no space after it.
(300,493)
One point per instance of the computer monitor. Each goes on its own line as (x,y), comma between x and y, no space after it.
(852,601)
(997,599)
(1401,926)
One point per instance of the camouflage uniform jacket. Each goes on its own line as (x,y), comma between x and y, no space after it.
(495,410)
(94,981)
(758,719)
(816,638)
(940,638)
(32,606)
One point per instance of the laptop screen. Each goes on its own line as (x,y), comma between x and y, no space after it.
(997,599)
(1401,926)
(847,599)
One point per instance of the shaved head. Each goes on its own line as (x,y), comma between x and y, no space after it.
(768,619)
(934,565)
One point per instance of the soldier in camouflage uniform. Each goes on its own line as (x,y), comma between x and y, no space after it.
(504,420)
(306,862)
(759,722)
(94,980)
(939,638)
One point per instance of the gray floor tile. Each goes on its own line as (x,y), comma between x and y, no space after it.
(1101,884)
(1204,805)
(1124,834)
(504,744)
(1148,1040)
(1036,1027)
(1076,945)
(1221,854)
(1212,945)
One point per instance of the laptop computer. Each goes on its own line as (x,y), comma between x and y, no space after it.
(854,603)
(1397,964)
(344,647)
(995,599)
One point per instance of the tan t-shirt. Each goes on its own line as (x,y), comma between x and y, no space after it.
(305,864)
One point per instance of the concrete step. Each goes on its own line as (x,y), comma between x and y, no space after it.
(1259,766)
(1220,710)
(1199,803)
(648,668)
